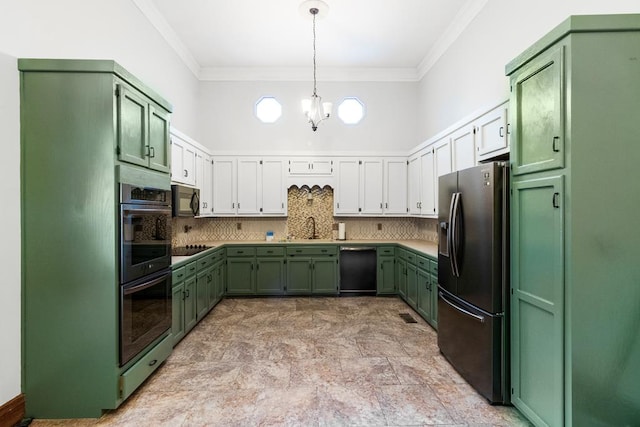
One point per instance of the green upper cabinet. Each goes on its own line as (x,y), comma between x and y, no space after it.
(143,130)
(537,102)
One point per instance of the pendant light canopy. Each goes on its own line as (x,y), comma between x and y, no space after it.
(315,110)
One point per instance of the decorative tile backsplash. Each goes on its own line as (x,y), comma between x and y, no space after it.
(304,203)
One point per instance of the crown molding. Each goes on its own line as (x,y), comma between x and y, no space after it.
(156,19)
(388,74)
(303,74)
(461,21)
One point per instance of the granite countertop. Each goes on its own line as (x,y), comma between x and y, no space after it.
(426,247)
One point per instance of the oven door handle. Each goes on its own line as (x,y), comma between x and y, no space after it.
(133,289)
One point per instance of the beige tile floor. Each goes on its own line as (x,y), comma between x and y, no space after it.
(306,362)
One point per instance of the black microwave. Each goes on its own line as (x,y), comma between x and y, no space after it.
(186,201)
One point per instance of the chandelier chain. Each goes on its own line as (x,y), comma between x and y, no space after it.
(314,12)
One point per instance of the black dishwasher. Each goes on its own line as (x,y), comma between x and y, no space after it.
(358,270)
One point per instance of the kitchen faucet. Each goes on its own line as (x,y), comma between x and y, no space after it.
(313,223)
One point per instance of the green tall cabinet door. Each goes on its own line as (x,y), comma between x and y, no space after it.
(204,283)
(325,275)
(412,285)
(537,299)
(401,277)
(537,105)
(190,310)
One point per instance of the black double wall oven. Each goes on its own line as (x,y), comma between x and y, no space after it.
(145,267)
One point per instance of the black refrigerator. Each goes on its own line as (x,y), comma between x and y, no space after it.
(473,276)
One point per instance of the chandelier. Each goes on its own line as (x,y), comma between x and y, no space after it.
(315,110)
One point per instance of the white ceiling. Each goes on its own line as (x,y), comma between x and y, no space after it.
(379,40)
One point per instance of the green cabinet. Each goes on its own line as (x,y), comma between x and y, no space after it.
(386,276)
(70,175)
(299,276)
(270,270)
(433,272)
(240,276)
(183,301)
(412,285)
(143,130)
(401,276)
(312,270)
(424,304)
(574,268)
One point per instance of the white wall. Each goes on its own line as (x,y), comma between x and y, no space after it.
(470,75)
(114,29)
(229,123)
(10,220)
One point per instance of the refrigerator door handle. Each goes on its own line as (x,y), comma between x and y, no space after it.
(450,234)
(461,310)
(454,221)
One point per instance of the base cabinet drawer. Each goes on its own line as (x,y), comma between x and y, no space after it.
(131,379)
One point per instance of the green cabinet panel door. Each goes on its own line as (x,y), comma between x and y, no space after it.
(434,300)
(240,276)
(424,300)
(132,126)
(401,277)
(298,275)
(190,312)
(537,307)
(412,285)
(203,285)
(325,275)
(270,276)
(538,104)
(159,142)
(177,312)
(386,280)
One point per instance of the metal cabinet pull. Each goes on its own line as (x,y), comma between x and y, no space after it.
(556,139)
(556,200)
(186,173)
(501,132)
(152,152)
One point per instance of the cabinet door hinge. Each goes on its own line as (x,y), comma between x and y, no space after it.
(359,162)
(118,150)
(260,209)
(260,161)
(118,90)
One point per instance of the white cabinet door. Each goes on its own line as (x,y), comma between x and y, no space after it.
(491,132)
(314,166)
(395,187)
(206,187)
(371,185)
(224,186)
(414,185)
(442,163)
(183,160)
(428,184)
(274,190)
(463,146)
(347,193)
(249,185)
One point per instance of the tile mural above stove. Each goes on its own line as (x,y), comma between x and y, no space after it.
(303,203)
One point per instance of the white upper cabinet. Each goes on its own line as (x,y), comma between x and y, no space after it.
(428,184)
(249,192)
(274,190)
(249,186)
(371,186)
(347,191)
(203,174)
(183,161)
(441,163)
(492,133)
(311,166)
(224,186)
(395,187)
(414,185)
(463,146)
(361,187)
